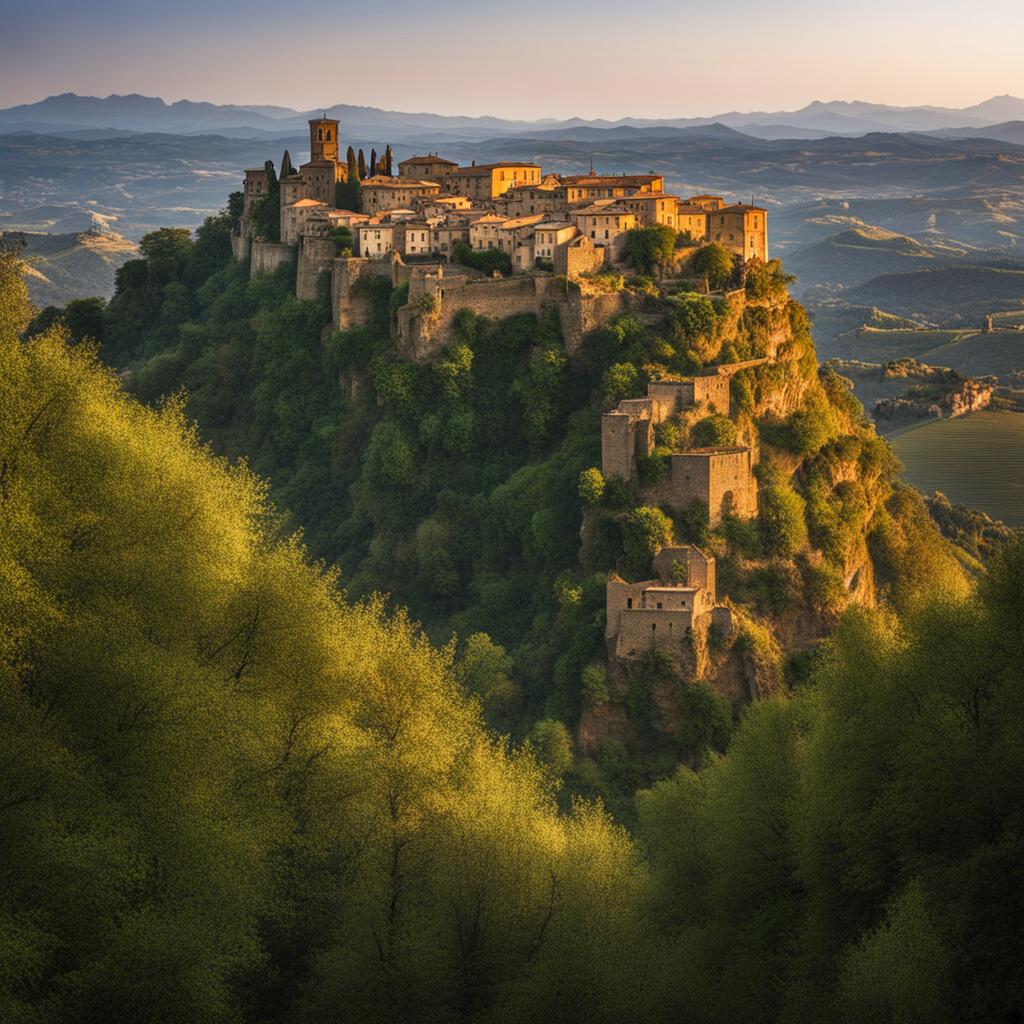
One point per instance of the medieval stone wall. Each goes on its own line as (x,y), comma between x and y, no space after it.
(720,478)
(268,256)
(351,300)
(316,255)
(240,246)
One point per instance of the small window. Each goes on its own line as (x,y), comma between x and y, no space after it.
(629,602)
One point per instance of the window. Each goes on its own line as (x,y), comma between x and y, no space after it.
(659,605)
(629,602)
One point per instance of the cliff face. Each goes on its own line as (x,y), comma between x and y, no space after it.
(829,507)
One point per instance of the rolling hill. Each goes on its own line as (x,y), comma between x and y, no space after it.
(74,266)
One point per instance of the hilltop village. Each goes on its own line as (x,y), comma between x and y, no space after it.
(564,236)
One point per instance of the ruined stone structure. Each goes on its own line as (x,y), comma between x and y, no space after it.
(721,478)
(663,612)
(423,326)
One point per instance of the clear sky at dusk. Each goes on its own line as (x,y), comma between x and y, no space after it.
(533,58)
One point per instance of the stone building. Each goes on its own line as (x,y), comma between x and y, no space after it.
(662,612)
(295,216)
(585,188)
(692,219)
(606,224)
(254,187)
(706,202)
(426,168)
(721,478)
(742,229)
(651,208)
(375,239)
(548,235)
(488,181)
(381,193)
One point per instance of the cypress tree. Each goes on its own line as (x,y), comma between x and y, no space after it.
(286,165)
(373,162)
(352,165)
(389,161)
(362,165)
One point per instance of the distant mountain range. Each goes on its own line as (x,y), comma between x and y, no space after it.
(70,113)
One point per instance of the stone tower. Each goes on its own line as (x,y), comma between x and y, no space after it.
(323,139)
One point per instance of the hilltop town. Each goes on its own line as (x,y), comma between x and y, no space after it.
(569,224)
(422,228)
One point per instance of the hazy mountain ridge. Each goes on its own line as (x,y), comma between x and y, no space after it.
(146,113)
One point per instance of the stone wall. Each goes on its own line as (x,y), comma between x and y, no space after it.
(720,478)
(316,255)
(240,245)
(424,327)
(351,300)
(268,256)
(580,313)
(643,629)
(577,257)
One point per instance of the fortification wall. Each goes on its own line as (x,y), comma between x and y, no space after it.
(722,479)
(268,256)
(351,300)
(579,313)
(316,255)
(641,629)
(713,392)
(424,330)
(240,245)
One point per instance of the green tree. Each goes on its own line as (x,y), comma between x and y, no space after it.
(553,744)
(651,249)
(645,531)
(715,263)
(713,430)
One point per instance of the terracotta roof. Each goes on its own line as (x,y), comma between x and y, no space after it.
(428,160)
(742,206)
(609,179)
(383,181)
(487,168)
(306,202)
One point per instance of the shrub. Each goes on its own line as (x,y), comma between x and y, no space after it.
(486,260)
(783,529)
(621,380)
(713,430)
(591,486)
(595,684)
(644,531)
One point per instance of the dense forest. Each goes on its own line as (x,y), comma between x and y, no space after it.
(236,785)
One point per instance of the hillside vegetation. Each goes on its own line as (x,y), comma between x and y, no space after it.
(228,794)
(459,487)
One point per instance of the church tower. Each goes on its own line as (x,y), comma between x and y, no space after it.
(323,139)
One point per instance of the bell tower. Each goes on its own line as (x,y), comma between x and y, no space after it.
(323,139)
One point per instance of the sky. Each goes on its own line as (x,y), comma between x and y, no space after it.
(527,59)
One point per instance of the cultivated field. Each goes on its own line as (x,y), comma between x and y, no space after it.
(977,460)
